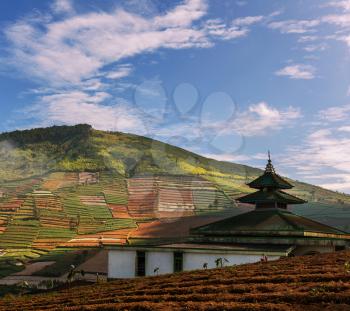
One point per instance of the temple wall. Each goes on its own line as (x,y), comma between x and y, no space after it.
(122,263)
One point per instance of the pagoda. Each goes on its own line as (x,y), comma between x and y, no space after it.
(271,225)
(269,194)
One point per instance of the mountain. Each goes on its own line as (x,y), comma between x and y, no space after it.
(74,186)
(80,148)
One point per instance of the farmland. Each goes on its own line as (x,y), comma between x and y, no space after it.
(85,209)
(308,282)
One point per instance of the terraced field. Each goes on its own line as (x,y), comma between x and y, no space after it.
(85,209)
(166,196)
(311,283)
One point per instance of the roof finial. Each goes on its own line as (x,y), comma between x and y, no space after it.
(269,167)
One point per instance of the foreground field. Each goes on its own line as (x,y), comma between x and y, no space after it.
(319,282)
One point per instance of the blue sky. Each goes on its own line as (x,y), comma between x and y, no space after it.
(226,79)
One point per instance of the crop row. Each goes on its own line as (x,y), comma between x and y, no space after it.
(309,282)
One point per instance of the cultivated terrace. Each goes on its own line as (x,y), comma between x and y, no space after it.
(310,283)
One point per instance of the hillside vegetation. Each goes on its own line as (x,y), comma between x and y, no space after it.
(301,283)
(80,148)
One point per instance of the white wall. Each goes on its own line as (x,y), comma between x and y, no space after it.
(121,264)
(163,260)
(193,261)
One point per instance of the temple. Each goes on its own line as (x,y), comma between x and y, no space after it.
(270,223)
(269,231)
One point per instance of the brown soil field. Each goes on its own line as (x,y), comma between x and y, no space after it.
(319,282)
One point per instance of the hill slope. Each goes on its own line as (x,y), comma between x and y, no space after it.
(76,187)
(307,282)
(80,148)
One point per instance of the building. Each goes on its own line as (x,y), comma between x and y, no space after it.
(270,231)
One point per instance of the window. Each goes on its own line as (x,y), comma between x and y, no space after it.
(178,261)
(140,263)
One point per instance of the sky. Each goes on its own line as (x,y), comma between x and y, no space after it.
(226,79)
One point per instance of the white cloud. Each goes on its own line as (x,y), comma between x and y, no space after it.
(239,27)
(247,20)
(120,72)
(341,4)
(344,129)
(183,15)
(342,20)
(94,84)
(75,107)
(295,26)
(80,46)
(307,38)
(316,47)
(335,114)
(307,28)
(345,39)
(297,71)
(261,117)
(216,27)
(323,151)
(62,6)
(258,120)
(321,157)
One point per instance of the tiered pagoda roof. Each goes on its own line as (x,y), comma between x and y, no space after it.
(269,194)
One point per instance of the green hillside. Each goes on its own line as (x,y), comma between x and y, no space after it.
(73,186)
(80,148)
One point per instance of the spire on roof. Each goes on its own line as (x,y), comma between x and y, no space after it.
(269,167)
(269,185)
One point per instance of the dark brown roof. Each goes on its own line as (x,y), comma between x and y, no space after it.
(271,222)
(270,180)
(277,196)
